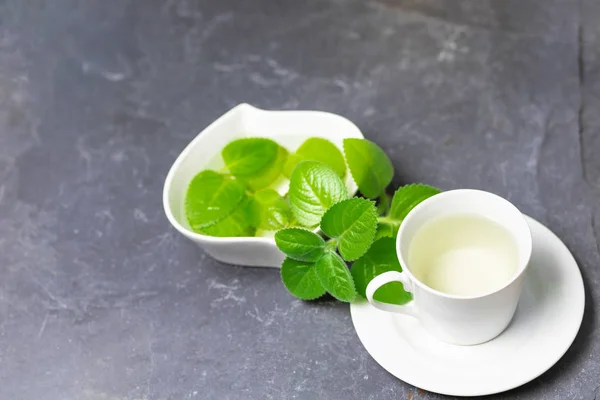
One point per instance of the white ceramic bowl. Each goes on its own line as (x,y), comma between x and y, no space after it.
(288,128)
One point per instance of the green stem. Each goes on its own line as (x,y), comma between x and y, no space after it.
(331,245)
(389,220)
(384,203)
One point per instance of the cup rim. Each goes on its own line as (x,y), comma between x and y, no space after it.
(439,197)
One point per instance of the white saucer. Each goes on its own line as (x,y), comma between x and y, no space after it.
(546,322)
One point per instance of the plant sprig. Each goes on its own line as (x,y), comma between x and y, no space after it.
(319,228)
(355,229)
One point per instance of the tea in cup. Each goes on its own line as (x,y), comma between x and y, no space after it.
(464,254)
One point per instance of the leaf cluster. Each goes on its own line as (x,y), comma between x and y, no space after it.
(319,228)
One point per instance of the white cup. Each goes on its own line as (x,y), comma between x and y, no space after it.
(464,320)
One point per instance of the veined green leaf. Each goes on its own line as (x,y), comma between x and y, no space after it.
(314,187)
(211,197)
(317,149)
(408,197)
(300,244)
(371,168)
(380,258)
(269,211)
(235,224)
(300,278)
(353,223)
(335,277)
(256,161)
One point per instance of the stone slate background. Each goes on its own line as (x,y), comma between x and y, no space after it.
(100,299)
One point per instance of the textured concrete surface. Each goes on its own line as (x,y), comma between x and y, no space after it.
(100,299)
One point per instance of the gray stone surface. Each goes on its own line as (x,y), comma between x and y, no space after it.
(101,299)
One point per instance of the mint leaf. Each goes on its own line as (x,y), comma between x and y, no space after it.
(249,156)
(256,161)
(210,197)
(235,224)
(269,211)
(408,197)
(335,277)
(300,244)
(386,228)
(380,258)
(371,168)
(317,149)
(353,223)
(300,278)
(314,187)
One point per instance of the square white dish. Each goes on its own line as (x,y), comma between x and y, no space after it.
(288,128)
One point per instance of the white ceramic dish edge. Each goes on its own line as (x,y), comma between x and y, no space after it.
(289,128)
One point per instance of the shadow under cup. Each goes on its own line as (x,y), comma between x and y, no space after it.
(458,319)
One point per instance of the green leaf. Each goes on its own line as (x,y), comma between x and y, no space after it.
(249,156)
(211,197)
(380,258)
(300,244)
(335,277)
(256,161)
(300,278)
(408,197)
(317,149)
(235,224)
(371,168)
(386,228)
(269,211)
(314,187)
(353,223)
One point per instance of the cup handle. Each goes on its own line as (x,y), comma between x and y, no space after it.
(387,277)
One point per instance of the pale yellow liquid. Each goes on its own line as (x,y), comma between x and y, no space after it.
(464,255)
